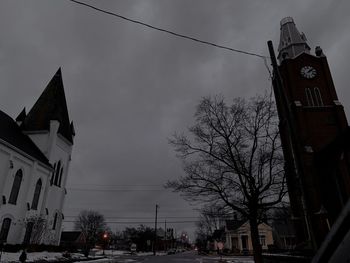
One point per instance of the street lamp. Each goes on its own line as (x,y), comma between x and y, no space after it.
(105,236)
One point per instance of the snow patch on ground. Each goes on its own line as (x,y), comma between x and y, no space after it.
(31,257)
(235,259)
(37,256)
(150,254)
(77,257)
(100,260)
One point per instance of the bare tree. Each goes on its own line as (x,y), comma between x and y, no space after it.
(36,229)
(233,158)
(92,225)
(210,219)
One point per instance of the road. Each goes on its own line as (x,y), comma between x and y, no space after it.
(186,257)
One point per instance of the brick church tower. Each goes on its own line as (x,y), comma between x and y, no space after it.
(315,136)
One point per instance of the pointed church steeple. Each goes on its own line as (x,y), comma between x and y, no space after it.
(292,42)
(72,129)
(21,117)
(51,105)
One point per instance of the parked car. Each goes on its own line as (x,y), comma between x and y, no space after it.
(171,251)
(133,248)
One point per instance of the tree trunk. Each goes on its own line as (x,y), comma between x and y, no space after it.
(254,235)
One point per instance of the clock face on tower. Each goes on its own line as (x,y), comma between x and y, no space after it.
(308,72)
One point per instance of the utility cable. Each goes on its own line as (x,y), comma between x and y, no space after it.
(170,32)
(129,222)
(138,218)
(115,190)
(117,185)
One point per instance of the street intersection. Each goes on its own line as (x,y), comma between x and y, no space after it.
(186,257)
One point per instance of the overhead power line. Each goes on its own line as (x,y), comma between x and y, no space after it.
(117,185)
(138,218)
(89,206)
(117,190)
(141,222)
(169,32)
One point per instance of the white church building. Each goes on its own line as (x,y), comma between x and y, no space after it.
(35,152)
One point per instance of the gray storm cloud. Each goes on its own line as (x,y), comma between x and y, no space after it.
(130,88)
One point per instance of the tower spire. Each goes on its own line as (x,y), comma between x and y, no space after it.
(21,117)
(292,42)
(51,105)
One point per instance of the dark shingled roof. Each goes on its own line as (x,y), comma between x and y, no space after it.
(51,105)
(11,133)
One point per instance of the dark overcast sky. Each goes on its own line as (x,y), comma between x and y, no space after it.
(129,88)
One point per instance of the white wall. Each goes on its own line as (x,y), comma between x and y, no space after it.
(56,195)
(32,171)
(56,148)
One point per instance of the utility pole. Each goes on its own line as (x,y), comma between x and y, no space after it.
(155,232)
(284,105)
(165,237)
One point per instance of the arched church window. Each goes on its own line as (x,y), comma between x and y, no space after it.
(5,228)
(57,173)
(53,174)
(28,233)
(60,180)
(15,187)
(54,221)
(318,97)
(36,195)
(309,98)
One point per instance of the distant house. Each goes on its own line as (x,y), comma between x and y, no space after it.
(217,237)
(237,235)
(284,235)
(283,229)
